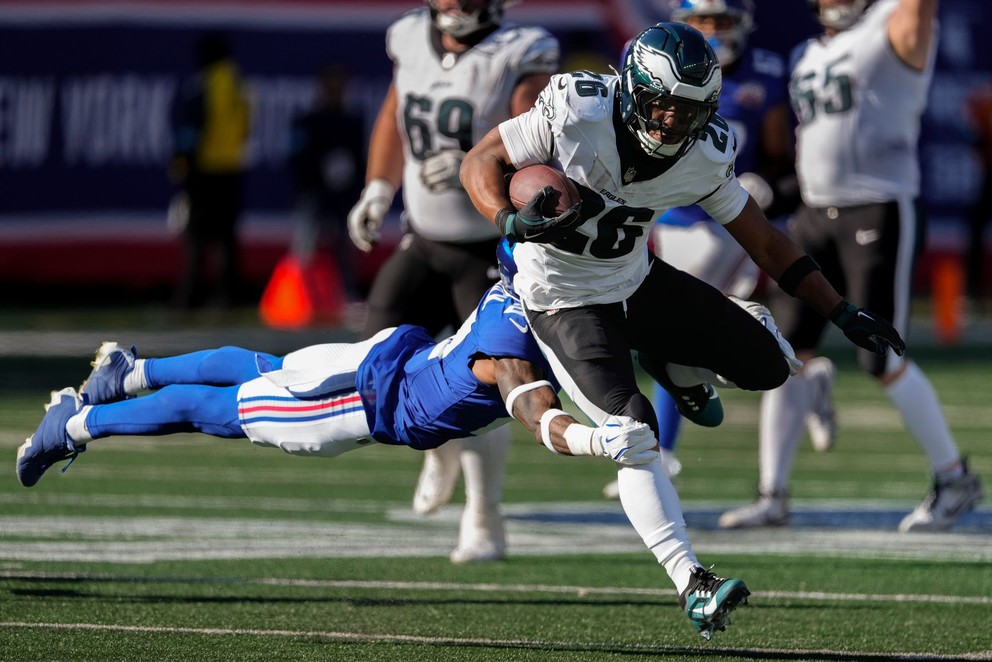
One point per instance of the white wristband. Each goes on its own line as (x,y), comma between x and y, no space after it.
(523,388)
(546,427)
(579,439)
(379,188)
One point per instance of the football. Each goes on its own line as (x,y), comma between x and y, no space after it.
(526,182)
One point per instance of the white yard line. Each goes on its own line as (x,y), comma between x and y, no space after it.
(463,587)
(488,642)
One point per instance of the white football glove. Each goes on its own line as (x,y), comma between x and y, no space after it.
(758,187)
(764,316)
(439,171)
(620,438)
(365,218)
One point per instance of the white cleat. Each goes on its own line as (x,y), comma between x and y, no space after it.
(436,483)
(478,551)
(481,537)
(946,502)
(821,421)
(768,510)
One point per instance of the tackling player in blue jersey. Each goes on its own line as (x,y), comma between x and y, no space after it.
(399,387)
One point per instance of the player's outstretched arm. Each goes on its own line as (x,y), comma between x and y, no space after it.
(911,29)
(532,400)
(799,276)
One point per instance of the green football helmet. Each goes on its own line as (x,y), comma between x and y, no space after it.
(670,87)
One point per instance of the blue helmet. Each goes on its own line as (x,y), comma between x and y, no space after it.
(669,67)
(728,44)
(507,264)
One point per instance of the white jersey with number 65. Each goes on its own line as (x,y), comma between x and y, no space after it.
(844,89)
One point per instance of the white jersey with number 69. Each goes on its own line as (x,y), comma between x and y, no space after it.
(573,127)
(449,102)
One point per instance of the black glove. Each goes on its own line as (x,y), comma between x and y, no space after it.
(530,223)
(866,330)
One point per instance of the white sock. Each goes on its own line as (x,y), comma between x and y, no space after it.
(915,398)
(76,428)
(483,461)
(783,416)
(653,507)
(135,381)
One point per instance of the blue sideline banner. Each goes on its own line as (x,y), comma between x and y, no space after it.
(86,88)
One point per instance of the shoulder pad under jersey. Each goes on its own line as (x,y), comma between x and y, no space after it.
(575,96)
(398,33)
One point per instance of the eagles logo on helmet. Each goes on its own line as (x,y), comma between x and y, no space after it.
(669,87)
(474,16)
(728,44)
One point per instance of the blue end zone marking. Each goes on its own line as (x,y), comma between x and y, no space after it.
(705,519)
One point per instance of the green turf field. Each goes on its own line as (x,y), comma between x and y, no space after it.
(188,548)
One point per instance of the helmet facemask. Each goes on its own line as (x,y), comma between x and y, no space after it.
(728,44)
(464,23)
(678,120)
(669,87)
(840,17)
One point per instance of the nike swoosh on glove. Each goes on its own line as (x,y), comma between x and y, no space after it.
(625,441)
(866,329)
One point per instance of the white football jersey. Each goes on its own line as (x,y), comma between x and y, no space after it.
(450,103)
(606,258)
(859,109)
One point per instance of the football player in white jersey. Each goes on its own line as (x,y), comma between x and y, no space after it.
(458,71)
(858,92)
(636,145)
(754,101)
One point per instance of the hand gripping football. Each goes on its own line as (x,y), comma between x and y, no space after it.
(526,182)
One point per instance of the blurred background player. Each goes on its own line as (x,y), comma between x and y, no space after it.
(858,92)
(754,100)
(212,118)
(327,161)
(458,71)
